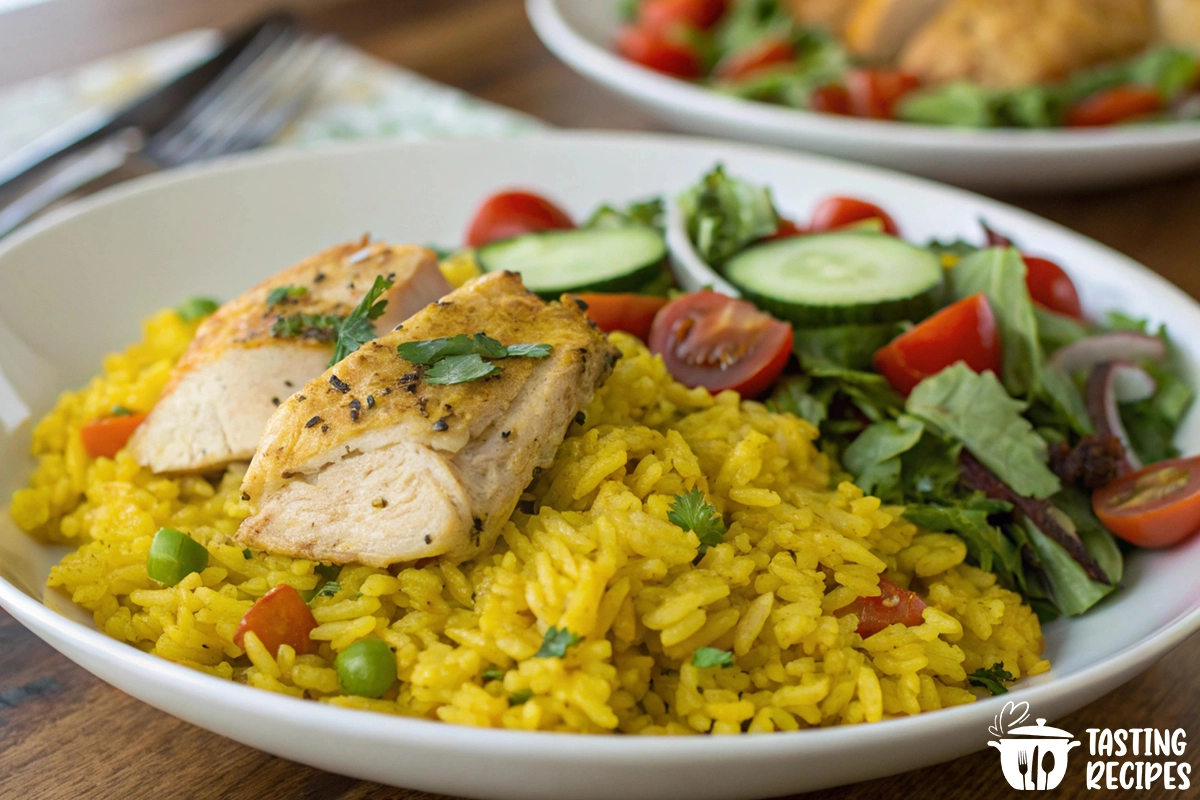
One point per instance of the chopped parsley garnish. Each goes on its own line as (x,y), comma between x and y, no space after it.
(317,327)
(992,678)
(329,589)
(246,554)
(358,327)
(493,674)
(195,308)
(556,641)
(459,369)
(520,698)
(348,333)
(458,359)
(281,293)
(705,657)
(692,512)
(121,411)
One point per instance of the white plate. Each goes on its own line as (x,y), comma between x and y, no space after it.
(580,32)
(75,286)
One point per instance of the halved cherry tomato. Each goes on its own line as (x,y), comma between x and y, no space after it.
(512,213)
(711,340)
(662,15)
(838,212)
(1051,287)
(108,435)
(763,54)
(786,229)
(1110,106)
(279,617)
(660,51)
(875,92)
(632,313)
(965,331)
(831,99)
(1154,507)
(893,605)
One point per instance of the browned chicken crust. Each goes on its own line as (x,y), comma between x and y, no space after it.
(369,463)
(235,372)
(1008,43)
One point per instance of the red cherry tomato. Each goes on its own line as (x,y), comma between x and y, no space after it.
(659,51)
(762,55)
(893,605)
(512,213)
(107,436)
(1049,286)
(718,342)
(1154,507)
(632,313)
(875,92)
(662,15)
(831,99)
(279,617)
(965,331)
(838,212)
(786,230)
(1114,105)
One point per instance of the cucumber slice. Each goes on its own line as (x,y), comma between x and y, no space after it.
(839,279)
(584,260)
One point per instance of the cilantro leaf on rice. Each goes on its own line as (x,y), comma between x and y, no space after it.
(705,657)
(992,678)
(556,641)
(692,512)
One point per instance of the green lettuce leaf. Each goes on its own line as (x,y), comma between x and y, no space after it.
(847,346)
(976,410)
(724,214)
(999,272)
(874,457)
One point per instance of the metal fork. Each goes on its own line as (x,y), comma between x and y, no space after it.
(243,108)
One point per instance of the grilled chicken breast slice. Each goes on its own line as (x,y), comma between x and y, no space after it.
(370,463)
(1009,43)
(236,371)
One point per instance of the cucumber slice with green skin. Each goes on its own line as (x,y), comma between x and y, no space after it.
(583,260)
(840,278)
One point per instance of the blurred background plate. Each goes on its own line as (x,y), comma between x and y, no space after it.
(580,32)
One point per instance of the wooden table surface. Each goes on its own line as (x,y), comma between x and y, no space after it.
(65,734)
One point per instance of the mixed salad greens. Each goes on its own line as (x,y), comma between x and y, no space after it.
(960,380)
(755,50)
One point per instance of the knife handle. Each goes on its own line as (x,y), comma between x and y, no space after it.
(68,176)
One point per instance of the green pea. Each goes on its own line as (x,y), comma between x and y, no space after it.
(366,668)
(174,556)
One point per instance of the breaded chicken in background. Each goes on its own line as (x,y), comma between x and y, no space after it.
(1178,22)
(236,371)
(1009,43)
(1000,43)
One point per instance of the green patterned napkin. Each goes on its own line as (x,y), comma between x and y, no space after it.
(361,97)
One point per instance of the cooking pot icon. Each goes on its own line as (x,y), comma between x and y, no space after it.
(1024,752)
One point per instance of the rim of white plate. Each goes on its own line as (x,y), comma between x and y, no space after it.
(501,742)
(606,67)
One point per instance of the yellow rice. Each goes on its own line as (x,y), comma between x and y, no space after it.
(599,558)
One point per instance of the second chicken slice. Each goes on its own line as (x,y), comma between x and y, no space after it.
(383,460)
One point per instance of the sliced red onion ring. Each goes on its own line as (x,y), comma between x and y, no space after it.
(1108,384)
(1102,348)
